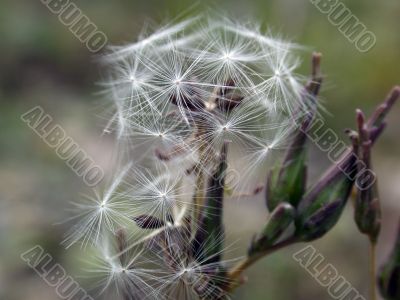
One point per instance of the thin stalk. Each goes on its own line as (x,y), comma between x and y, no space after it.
(200,183)
(199,197)
(235,273)
(372,261)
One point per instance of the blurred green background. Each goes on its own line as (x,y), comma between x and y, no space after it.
(42,63)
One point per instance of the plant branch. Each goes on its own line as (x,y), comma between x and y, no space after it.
(200,183)
(235,273)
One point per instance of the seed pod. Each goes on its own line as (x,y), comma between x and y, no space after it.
(367,212)
(389,276)
(322,220)
(208,240)
(278,222)
(322,206)
(288,182)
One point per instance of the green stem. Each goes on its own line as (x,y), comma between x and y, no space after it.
(235,273)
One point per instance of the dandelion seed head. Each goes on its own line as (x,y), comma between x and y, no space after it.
(207,73)
(179,94)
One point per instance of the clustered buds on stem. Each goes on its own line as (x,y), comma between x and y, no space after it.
(316,211)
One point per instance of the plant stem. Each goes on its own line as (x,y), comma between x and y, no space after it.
(235,273)
(199,195)
(200,183)
(373,270)
(200,180)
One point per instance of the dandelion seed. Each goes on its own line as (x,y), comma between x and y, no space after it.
(189,275)
(160,196)
(129,275)
(99,214)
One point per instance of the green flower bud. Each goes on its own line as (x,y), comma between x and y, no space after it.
(322,206)
(367,206)
(287,183)
(278,222)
